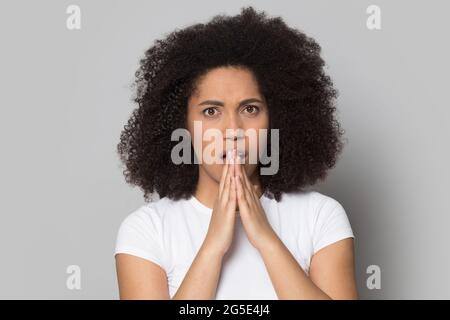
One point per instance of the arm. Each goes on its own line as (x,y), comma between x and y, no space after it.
(142,279)
(331,272)
(202,277)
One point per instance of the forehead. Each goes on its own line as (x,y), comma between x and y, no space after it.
(226,83)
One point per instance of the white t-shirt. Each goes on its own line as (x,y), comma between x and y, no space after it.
(170,233)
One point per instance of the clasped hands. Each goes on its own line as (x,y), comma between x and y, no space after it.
(237,192)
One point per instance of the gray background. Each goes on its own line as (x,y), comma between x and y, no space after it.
(65,96)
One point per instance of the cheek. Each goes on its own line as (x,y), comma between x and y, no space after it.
(192,123)
(204,134)
(212,170)
(200,145)
(258,139)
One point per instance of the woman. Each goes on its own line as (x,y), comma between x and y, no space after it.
(224,230)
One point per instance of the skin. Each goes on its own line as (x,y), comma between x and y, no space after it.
(230,86)
(226,188)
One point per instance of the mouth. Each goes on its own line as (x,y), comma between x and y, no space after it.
(242,154)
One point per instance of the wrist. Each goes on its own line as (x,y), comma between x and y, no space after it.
(270,244)
(210,252)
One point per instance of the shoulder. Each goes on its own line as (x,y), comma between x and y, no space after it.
(153,217)
(324,216)
(311,202)
(141,231)
(147,220)
(151,212)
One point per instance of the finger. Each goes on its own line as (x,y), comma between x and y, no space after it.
(238,166)
(230,173)
(256,189)
(242,200)
(224,174)
(232,168)
(248,185)
(223,177)
(257,194)
(246,179)
(247,192)
(240,172)
(227,182)
(233,199)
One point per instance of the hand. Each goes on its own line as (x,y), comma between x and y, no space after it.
(221,226)
(254,219)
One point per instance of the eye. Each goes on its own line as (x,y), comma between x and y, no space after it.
(210,112)
(251,109)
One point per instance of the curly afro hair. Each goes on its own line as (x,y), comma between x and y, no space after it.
(290,75)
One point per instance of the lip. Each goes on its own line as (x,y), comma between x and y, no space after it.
(222,155)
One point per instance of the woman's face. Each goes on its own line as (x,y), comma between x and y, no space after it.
(227,98)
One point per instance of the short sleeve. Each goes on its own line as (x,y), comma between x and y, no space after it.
(140,234)
(331,224)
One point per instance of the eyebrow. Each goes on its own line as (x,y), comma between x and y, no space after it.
(220,103)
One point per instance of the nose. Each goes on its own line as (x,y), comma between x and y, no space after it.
(233,128)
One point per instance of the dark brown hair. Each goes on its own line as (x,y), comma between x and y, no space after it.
(289,70)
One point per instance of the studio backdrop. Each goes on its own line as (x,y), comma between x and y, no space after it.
(67,69)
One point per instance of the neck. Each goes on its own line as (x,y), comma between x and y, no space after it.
(208,188)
